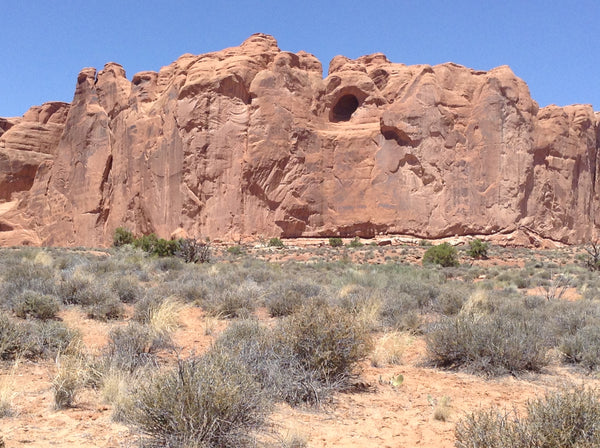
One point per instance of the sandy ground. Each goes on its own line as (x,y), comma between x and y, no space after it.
(376,414)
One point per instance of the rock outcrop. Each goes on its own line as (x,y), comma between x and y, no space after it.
(252,140)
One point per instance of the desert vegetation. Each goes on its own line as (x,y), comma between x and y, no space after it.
(298,328)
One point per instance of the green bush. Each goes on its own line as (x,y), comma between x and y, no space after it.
(477,249)
(336,242)
(355,243)
(122,236)
(276,242)
(212,401)
(235,250)
(443,254)
(562,419)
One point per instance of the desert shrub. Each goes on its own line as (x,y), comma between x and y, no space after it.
(561,419)
(400,313)
(477,249)
(170,265)
(592,259)
(356,243)
(34,339)
(190,289)
(122,236)
(36,305)
(234,301)
(11,338)
(443,254)
(45,339)
(212,401)
(235,250)
(583,347)
(410,294)
(275,242)
(74,286)
(144,308)
(305,357)
(81,288)
(326,340)
(133,346)
(191,250)
(127,288)
(106,307)
(26,275)
(451,298)
(272,363)
(491,344)
(283,298)
(336,242)
(154,245)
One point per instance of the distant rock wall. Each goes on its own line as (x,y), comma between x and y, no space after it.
(252,140)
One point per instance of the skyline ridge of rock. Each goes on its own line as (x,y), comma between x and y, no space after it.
(252,141)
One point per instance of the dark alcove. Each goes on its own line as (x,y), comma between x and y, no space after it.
(344,108)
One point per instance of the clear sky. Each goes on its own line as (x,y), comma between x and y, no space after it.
(554,45)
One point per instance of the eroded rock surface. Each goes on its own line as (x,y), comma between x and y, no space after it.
(252,140)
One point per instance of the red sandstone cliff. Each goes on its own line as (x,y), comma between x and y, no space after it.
(252,140)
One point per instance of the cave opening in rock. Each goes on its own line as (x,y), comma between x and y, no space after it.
(344,108)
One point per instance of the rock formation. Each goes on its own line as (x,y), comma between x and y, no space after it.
(252,141)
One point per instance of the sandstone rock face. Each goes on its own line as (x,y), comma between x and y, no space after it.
(27,142)
(252,140)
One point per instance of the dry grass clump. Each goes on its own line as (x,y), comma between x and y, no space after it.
(441,409)
(116,390)
(7,391)
(363,302)
(161,314)
(164,318)
(389,349)
(568,418)
(72,373)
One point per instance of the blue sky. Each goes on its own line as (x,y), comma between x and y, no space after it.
(552,45)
